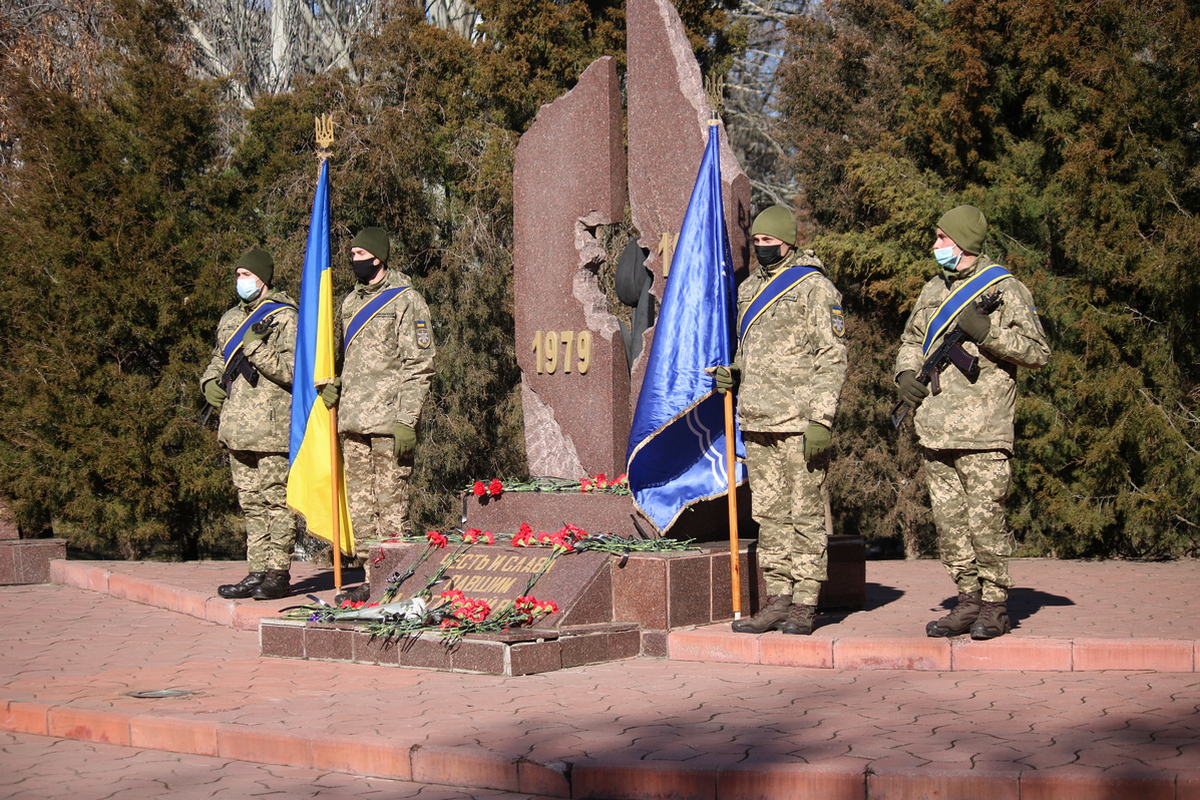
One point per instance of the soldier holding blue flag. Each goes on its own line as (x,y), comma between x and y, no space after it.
(790,364)
(966,429)
(249,382)
(387,369)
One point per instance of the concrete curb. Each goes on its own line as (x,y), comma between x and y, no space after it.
(475,767)
(1009,653)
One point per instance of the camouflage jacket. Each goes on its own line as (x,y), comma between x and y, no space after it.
(979,415)
(257,418)
(387,369)
(793,357)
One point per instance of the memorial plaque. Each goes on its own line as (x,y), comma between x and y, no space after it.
(578,583)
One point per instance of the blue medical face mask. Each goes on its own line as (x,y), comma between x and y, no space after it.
(945,256)
(247,288)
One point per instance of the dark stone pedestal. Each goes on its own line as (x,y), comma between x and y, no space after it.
(610,607)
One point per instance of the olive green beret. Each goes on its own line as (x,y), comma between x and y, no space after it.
(375,241)
(260,263)
(967,226)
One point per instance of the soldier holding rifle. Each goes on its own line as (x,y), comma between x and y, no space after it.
(966,428)
(249,382)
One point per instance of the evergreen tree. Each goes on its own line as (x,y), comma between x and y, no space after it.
(1072,124)
(106,316)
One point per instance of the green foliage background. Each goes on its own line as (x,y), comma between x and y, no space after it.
(1072,123)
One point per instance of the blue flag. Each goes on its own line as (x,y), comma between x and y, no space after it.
(677,441)
(316,480)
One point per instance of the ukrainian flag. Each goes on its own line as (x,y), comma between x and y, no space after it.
(314,451)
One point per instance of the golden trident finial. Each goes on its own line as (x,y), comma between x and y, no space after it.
(714,93)
(324,124)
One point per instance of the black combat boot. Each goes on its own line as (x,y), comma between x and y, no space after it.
(277,584)
(359,594)
(992,622)
(769,617)
(245,588)
(800,620)
(960,619)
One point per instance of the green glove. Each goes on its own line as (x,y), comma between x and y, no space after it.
(727,379)
(331,393)
(257,332)
(816,441)
(974,323)
(214,393)
(912,391)
(405,442)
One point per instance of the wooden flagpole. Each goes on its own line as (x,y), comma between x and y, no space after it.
(735,561)
(334,471)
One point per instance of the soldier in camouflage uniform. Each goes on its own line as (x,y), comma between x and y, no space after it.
(967,430)
(255,421)
(790,365)
(387,368)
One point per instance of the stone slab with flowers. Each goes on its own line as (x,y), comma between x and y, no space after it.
(529,602)
(514,604)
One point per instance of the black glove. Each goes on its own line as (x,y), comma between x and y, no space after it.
(726,378)
(973,323)
(912,391)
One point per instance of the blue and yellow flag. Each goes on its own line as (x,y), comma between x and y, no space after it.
(677,442)
(310,488)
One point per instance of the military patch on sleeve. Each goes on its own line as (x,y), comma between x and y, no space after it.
(837,321)
(423,338)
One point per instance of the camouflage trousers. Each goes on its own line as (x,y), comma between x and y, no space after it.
(376,491)
(788,506)
(261,481)
(967,489)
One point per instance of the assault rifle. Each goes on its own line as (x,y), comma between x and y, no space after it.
(950,351)
(239,365)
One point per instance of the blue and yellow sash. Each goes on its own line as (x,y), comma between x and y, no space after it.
(966,292)
(263,311)
(368,312)
(771,291)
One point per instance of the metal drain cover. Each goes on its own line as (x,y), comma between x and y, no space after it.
(156,694)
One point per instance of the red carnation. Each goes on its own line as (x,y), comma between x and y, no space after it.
(479,489)
(495,487)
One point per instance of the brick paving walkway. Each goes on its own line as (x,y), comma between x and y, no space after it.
(640,728)
(34,768)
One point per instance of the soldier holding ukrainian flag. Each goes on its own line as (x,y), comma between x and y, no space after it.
(966,429)
(387,368)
